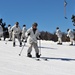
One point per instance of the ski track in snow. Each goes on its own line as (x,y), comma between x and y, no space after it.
(61,59)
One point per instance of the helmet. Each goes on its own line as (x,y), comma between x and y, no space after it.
(17,23)
(68,30)
(35,24)
(57,28)
(9,25)
(24,25)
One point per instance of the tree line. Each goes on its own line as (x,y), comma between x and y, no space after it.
(49,36)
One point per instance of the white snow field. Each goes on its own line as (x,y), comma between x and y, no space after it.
(61,59)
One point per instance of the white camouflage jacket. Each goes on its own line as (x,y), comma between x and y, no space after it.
(70,34)
(1,30)
(24,30)
(58,33)
(16,30)
(32,37)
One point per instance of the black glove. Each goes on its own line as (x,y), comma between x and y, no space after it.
(38,38)
(12,30)
(25,41)
(20,34)
(28,34)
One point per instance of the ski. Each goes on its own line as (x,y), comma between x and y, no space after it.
(45,59)
(39,59)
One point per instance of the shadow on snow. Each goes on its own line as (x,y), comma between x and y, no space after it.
(63,59)
(47,47)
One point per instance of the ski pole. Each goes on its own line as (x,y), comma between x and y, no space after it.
(21,50)
(40,47)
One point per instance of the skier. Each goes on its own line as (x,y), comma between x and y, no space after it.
(33,34)
(16,33)
(70,35)
(59,35)
(1,32)
(10,33)
(23,32)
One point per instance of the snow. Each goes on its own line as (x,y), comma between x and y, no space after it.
(61,59)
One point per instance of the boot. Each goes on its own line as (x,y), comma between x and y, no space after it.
(58,43)
(10,40)
(71,44)
(13,44)
(29,55)
(37,55)
(20,44)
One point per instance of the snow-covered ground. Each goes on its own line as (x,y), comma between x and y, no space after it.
(61,59)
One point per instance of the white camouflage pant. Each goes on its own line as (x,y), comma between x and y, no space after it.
(1,35)
(71,40)
(23,36)
(59,40)
(10,35)
(16,36)
(35,47)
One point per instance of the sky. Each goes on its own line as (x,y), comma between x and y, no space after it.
(49,14)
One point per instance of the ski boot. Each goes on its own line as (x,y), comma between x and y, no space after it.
(10,40)
(60,43)
(37,55)
(71,44)
(29,55)
(13,44)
